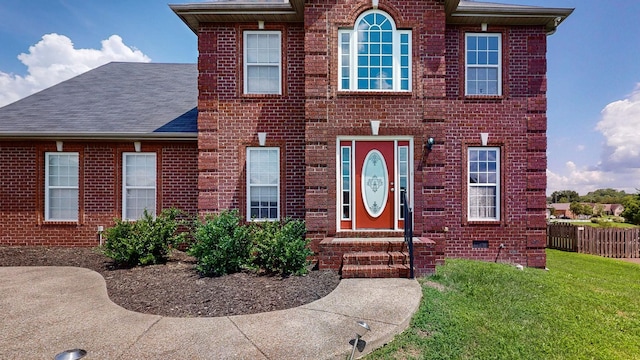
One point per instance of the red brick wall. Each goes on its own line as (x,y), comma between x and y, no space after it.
(435,108)
(22,188)
(516,122)
(306,120)
(330,113)
(229,121)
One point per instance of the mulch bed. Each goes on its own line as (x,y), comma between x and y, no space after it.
(176,289)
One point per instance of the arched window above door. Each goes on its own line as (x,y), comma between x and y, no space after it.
(374,55)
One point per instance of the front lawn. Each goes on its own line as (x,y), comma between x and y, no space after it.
(584,307)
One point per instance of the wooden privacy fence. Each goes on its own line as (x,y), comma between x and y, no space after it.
(607,242)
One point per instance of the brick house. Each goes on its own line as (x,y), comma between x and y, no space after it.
(331,111)
(105,144)
(561,210)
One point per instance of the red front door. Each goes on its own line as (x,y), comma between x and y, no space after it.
(374,185)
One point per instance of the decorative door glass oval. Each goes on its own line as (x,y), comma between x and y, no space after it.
(375,183)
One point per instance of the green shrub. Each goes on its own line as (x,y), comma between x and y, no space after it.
(281,247)
(145,241)
(221,245)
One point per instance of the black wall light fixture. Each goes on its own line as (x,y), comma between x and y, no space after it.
(429,143)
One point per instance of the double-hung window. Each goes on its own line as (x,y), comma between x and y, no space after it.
(374,55)
(263,183)
(484,183)
(483,64)
(138,185)
(61,186)
(262,62)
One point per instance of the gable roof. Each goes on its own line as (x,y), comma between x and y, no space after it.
(115,101)
(560,206)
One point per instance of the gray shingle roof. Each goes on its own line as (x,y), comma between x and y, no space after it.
(118,100)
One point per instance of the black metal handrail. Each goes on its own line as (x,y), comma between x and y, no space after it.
(407,213)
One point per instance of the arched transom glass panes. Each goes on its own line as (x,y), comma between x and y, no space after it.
(374,55)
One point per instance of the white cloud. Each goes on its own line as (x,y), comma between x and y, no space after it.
(584,180)
(577,179)
(619,166)
(619,125)
(54,59)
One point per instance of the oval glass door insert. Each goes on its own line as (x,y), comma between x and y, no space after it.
(375,188)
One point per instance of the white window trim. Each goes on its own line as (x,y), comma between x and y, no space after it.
(498,66)
(353,57)
(246,65)
(338,176)
(342,187)
(47,187)
(125,187)
(400,175)
(497,184)
(249,185)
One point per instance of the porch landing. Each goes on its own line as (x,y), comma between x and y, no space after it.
(379,257)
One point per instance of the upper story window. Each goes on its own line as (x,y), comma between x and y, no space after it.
(262,62)
(483,64)
(374,55)
(61,186)
(138,185)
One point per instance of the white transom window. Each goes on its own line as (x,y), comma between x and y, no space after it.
(263,183)
(61,186)
(138,185)
(262,62)
(374,55)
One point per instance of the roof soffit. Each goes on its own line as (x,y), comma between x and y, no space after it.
(459,12)
(476,12)
(194,14)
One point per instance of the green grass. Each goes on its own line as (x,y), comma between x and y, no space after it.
(584,307)
(609,224)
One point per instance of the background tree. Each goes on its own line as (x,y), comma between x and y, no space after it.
(631,212)
(598,210)
(581,209)
(605,196)
(564,196)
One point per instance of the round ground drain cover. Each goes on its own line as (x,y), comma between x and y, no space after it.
(71,354)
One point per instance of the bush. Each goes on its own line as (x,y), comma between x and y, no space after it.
(281,247)
(221,245)
(145,241)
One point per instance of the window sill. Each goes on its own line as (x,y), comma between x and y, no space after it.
(373,93)
(262,96)
(484,222)
(485,97)
(61,223)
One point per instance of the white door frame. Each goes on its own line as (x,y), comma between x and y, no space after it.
(396,194)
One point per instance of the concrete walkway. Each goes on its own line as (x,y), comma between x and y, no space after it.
(47,310)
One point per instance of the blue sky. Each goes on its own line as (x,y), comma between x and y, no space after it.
(593,70)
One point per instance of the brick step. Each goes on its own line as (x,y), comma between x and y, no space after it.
(366,244)
(331,253)
(375,258)
(375,271)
